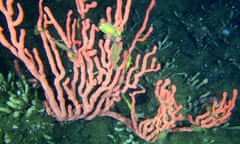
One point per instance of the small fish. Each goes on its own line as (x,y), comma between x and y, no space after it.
(109,29)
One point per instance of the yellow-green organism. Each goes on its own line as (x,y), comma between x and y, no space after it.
(64,47)
(109,29)
(129,62)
